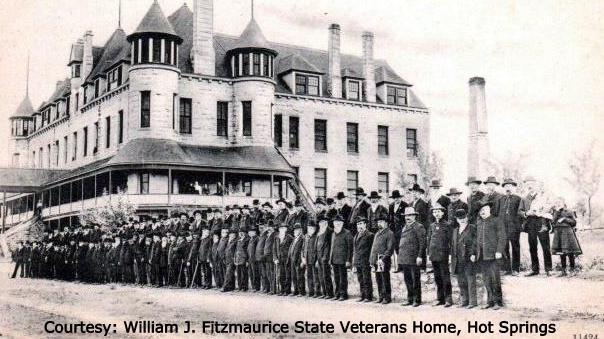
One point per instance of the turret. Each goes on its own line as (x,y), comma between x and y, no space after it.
(153,76)
(20,127)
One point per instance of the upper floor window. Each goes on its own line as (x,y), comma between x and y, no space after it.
(352,137)
(352,182)
(256,64)
(383,182)
(120,135)
(320,135)
(145,109)
(85,147)
(97,88)
(156,50)
(144,183)
(396,96)
(307,84)
(96,137)
(294,132)
(412,142)
(247,118)
(75,146)
(114,78)
(107,132)
(320,182)
(246,63)
(353,90)
(278,130)
(185,115)
(222,111)
(383,140)
(76,70)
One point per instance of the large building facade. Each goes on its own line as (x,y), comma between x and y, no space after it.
(177,115)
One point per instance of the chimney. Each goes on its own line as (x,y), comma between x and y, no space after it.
(334,80)
(87,58)
(368,67)
(478,147)
(202,52)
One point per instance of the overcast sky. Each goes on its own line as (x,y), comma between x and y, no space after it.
(542,61)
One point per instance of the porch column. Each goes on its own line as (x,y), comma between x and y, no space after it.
(272,187)
(110,187)
(4,210)
(169,187)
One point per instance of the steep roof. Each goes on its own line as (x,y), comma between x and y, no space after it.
(182,21)
(116,49)
(155,22)
(252,37)
(25,109)
(296,62)
(62,89)
(387,74)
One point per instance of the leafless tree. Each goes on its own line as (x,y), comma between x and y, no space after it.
(430,167)
(585,178)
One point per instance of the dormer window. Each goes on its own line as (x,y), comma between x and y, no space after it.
(353,90)
(307,84)
(76,70)
(114,78)
(396,96)
(97,88)
(252,64)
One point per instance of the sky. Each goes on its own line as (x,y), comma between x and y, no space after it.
(542,61)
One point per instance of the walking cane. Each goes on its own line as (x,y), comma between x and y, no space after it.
(179,273)
(194,274)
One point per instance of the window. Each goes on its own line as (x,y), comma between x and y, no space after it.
(278,130)
(65,149)
(383,183)
(97,88)
(75,146)
(383,140)
(307,84)
(114,78)
(144,183)
(246,64)
(353,90)
(49,152)
(256,64)
(40,157)
(411,142)
(265,65)
(222,111)
(145,109)
(156,50)
(294,132)
(352,182)
(247,188)
(396,96)
(75,70)
(174,96)
(247,118)
(120,135)
(145,57)
(96,138)
(85,147)
(320,135)
(76,190)
(185,115)
(320,182)
(77,101)
(107,132)
(352,137)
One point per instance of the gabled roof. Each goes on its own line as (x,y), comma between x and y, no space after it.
(77,53)
(155,22)
(116,49)
(387,74)
(252,37)
(295,62)
(25,109)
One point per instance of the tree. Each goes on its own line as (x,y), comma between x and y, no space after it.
(430,167)
(585,179)
(110,216)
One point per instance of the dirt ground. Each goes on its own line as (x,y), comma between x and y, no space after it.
(575,305)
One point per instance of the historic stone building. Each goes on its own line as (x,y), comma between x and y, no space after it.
(175,114)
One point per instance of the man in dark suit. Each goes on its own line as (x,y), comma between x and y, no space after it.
(323,254)
(396,217)
(253,264)
(492,195)
(341,257)
(241,259)
(229,261)
(363,241)
(344,209)
(437,197)
(265,286)
(203,258)
(438,247)
(420,205)
(474,198)
(294,258)
(380,259)
(509,213)
(463,247)
(360,207)
(309,258)
(490,244)
(456,203)
(375,209)
(282,243)
(17,257)
(269,256)
(411,254)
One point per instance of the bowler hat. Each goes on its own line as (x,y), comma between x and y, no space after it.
(410,211)
(509,181)
(485,202)
(374,195)
(360,191)
(435,183)
(453,191)
(460,213)
(396,194)
(256,202)
(360,219)
(338,218)
(329,201)
(267,204)
(271,223)
(491,180)
(340,196)
(437,206)
(473,180)
(417,188)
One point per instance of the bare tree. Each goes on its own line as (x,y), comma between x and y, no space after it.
(585,179)
(430,167)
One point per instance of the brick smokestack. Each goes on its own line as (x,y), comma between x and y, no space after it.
(87,58)
(334,80)
(478,147)
(368,66)
(202,52)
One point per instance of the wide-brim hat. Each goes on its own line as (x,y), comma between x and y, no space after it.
(461,213)
(338,218)
(197,212)
(319,201)
(374,195)
(267,204)
(396,194)
(329,201)
(270,224)
(410,211)
(435,183)
(473,180)
(485,202)
(454,191)
(256,202)
(417,188)
(509,181)
(360,219)
(359,191)
(491,180)
(437,206)
(281,200)
(340,195)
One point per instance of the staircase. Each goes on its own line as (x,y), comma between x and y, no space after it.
(27,230)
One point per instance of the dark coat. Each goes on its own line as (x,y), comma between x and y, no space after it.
(205,249)
(444,201)
(251,248)
(474,206)
(439,240)
(463,246)
(372,217)
(309,251)
(259,251)
(193,250)
(490,238)
(383,245)
(324,245)
(495,200)
(565,239)
(423,213)
(341,247)
(229,252)
(294,255)
(269,247)
(345,211)
(221,249)
(241,256)
(362,248)
(412,244)
(509,213)
(359,208)
(454,206)
(396,219)
(281,247)
(281,217)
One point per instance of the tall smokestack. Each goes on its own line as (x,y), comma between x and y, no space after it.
(478,147)
(368,67)
(87,58)
(334,80)
(202,52)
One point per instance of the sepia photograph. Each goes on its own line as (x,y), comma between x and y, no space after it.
(300,169)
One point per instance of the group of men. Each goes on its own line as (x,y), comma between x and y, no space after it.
(288,250)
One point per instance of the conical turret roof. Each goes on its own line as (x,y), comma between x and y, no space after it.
(25,109)
(252,37)
(154,22)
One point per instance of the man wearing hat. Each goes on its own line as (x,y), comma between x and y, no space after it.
(376,210)
(298,215)
(362,243)
(436,196)
(463,247)
(203,258)
(536,211)
(229,261)
(492,195)
(341,257)
(269,255)
(253,264)
(344,209)
(438,245)
(241,258)
(259,255)
(217,222)
(17,257)
(420,206)
(509,214)
(360,207)
(282,243)
(267,211)
(294,258)
(256,212)
(309,259)
(475,196)
(220,267)
(456,203)
(411,254)
(380,259)
(396,217)
(320,209)
(491,239)
(323,254)
(282,212)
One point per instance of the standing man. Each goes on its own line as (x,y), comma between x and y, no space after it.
(411,254)
(344,208)
(341,257)
(253,264)
(220,268)
(509,214)
(229,261)
(490,244)
(282,243)
(396,217)
(17,257)
(203,258)
(492,195)
(269,257)
(439,242)
(323,254)
(456,203)
(474,198)
(363,242)
(375,210)
(463,249)
(259,256)
(309,259)
(421,207)
(360,207)
(437,197)
(380,259)
(241,258)
(295,265)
